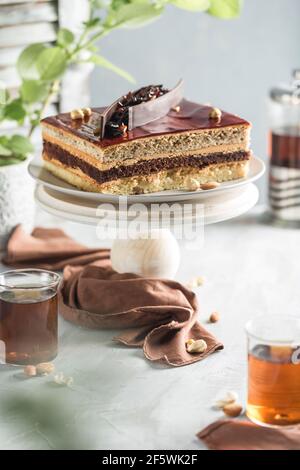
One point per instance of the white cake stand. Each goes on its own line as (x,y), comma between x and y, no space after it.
(216,207)
(227,201)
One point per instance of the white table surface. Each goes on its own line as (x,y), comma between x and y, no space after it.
(119,400)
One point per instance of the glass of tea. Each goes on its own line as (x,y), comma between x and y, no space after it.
(28,316)
(274,370)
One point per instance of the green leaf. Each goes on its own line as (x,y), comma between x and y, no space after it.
(93,23)
(4,140)
(65,37)
(132,15)
(4,151)
(115,4)
(26,63)
(4,95)
(97,4)
(192,5)
(102,62)
(35,122)
(225,9)
(92,48)
(11,160)
(14,149)
(15,111)
(51,63)
(33,91)
(20,145)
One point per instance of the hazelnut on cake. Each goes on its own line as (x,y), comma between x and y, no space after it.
(149,140)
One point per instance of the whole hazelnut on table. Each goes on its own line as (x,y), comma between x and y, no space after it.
(196,346)
(214,317)
(45,368)
(228,399)
(30,371)
(233,410)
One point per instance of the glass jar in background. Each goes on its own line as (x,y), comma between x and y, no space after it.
(284,151)
(28,316)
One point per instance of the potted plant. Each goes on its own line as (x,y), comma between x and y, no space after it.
(16,186)
(41,68)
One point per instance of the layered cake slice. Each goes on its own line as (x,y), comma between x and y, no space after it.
(147,141)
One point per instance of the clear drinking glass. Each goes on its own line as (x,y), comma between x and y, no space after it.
(274,370)
(28,316)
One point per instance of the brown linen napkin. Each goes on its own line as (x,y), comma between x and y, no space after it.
(243,435)
(158,315)
(48,249)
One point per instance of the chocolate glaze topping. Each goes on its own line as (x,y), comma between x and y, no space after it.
(190,117)
(143,167)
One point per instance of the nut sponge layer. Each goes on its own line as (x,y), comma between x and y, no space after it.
(183,144)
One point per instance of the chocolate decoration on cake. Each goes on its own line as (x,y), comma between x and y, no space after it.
(138,108)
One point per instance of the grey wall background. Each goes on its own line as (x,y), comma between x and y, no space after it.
(231,64)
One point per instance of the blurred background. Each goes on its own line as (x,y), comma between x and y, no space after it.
(231,64)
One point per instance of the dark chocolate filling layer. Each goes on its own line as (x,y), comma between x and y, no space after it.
(142,168)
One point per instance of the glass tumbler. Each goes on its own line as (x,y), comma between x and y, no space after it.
(28,316)
(274,370)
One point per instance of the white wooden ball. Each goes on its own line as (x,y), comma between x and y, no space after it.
(149,255)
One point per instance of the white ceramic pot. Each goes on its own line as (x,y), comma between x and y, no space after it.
(16,200)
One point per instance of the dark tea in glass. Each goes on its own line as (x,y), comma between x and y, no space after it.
(28,316)
(274,370)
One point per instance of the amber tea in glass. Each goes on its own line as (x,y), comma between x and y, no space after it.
(274,370)
(28,316)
